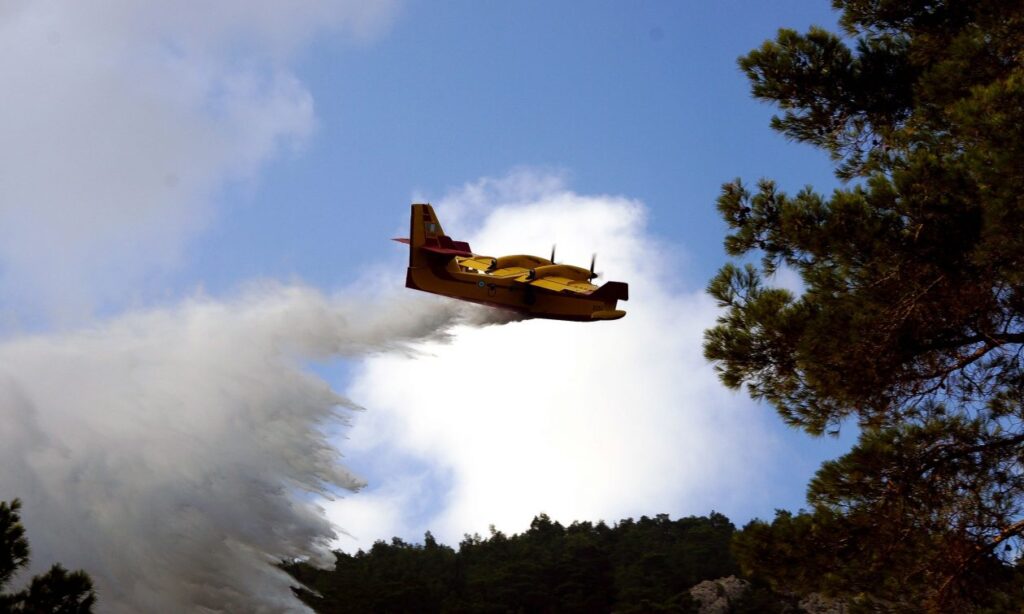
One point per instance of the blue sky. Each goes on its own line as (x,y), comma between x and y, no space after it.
(195,273)
(641,99)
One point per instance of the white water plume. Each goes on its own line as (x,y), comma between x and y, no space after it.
(173,454)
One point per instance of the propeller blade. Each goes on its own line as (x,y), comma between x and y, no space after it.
(553,245)
(593,261)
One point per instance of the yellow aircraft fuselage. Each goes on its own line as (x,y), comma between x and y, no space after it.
(528,284)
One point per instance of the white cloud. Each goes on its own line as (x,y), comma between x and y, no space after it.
(787,278)
(582,421)
(121,119)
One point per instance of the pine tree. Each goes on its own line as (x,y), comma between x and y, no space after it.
(911,318)
(56,591)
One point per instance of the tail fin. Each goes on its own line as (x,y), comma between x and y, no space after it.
(423,225)
(426,235)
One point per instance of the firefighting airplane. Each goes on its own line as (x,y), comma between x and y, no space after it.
(535,286)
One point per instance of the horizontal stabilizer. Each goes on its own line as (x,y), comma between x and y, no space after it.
(445,245)
(446,242)
(441,245)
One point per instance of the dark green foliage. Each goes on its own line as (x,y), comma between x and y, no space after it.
(56,591)
(911,320)
(882,567)
(13,544)
(647,565)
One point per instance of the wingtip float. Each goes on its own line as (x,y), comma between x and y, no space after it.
(532,285)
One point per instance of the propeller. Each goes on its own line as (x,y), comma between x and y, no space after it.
(552,259)
(593,261)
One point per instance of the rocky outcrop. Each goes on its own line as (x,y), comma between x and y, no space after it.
(719,596)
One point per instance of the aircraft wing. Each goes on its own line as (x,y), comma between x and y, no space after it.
(479,263)
(560,284)
(511,271)
(485,264)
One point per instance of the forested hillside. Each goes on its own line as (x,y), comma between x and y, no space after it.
(643,565)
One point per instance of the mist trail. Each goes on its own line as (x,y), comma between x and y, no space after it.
(173,453)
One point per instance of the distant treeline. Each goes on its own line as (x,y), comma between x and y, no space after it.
(645,565)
